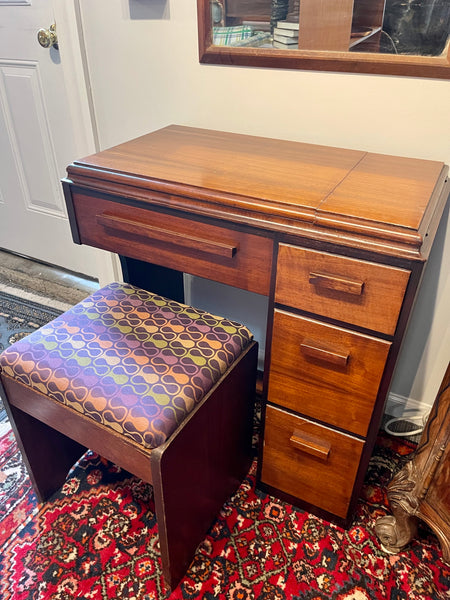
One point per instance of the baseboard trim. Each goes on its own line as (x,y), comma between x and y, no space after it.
(403,406)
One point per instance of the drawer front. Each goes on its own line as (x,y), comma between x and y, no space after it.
(354,291)
(233,257)
(308,461)
(325,372)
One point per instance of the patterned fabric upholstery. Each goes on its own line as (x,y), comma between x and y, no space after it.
(134,361)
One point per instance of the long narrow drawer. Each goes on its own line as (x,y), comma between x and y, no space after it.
(325,372)
(354,291)
(234,257)
(308,461)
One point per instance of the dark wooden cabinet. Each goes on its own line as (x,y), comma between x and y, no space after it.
(337,239)
(421,490)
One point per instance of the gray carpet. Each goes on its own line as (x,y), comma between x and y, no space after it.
(30,277)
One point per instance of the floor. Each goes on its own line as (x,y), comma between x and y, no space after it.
(22,273)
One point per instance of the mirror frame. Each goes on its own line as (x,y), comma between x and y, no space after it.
(437,67)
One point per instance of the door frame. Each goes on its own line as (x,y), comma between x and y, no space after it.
(81,106)
(73,56)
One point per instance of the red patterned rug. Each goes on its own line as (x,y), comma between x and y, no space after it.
(17,500)
(97,540)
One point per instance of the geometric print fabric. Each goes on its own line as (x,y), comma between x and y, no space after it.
(136,362)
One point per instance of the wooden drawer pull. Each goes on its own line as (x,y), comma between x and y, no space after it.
(331,282)
(310,444)
(184,240)
(331,356)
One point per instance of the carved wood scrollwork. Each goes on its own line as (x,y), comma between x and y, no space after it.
(395,531)
(420,489)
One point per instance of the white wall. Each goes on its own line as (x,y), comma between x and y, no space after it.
(144,71)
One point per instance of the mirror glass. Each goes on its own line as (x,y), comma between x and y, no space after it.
(351,32)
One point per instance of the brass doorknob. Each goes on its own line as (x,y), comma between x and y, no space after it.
(47,37)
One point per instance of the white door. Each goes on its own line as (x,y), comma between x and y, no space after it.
(44,125)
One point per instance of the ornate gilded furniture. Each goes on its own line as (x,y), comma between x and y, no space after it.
(421,490)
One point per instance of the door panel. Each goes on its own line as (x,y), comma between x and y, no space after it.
(25,119)
(38,138)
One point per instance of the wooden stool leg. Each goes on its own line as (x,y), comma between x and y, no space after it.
(202,465)
(47,454)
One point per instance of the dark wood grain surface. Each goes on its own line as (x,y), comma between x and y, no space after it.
(336,238)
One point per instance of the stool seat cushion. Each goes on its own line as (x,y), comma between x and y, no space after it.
(131,360)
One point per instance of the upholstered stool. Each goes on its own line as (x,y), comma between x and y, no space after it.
(159,388)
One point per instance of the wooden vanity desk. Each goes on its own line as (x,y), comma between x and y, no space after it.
(337,239)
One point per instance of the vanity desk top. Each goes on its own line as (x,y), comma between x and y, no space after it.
(348,197)
(336,238)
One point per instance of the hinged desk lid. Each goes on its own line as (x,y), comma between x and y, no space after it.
(275,184)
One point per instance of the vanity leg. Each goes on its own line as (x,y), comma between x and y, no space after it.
(397,530)
(154,278)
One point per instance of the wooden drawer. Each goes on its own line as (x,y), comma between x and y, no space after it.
(354,291)
(218,253)
(308,461)
(325,372)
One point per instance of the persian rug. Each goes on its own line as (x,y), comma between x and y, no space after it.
(19,316)
(17,500)
(97,538)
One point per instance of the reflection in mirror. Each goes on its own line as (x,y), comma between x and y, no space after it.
(394,37)
(418,27)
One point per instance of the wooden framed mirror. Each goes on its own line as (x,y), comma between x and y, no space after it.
(392,37)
